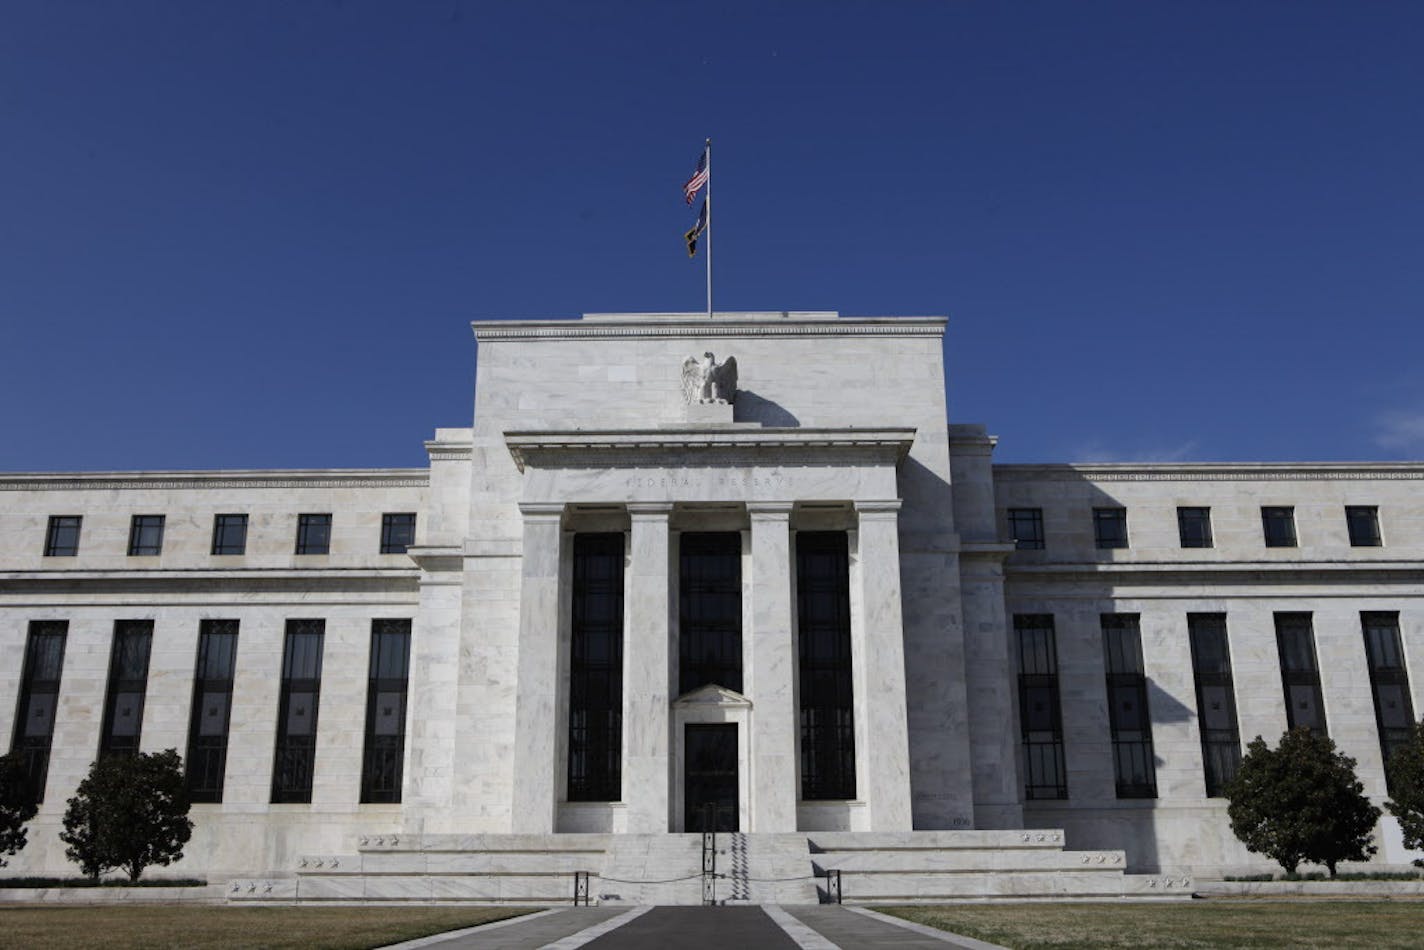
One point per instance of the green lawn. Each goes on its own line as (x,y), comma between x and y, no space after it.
(201,926)
(1211,923)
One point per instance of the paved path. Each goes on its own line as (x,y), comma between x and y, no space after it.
(771,927)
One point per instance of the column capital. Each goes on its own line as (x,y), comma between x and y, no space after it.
(770,510)
(542,511)
(649,510)
(887,509)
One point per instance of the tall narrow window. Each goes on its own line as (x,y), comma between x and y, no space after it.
(1389,681)
(1363,524)
(212,709)
(710,610)
(313,534)
(1300,675)
(1128,714)
(62,537)
(1216,700)
(385,710)
(596,670)
(1194,527)
(296,711)
(39,697)
(230,534)
(823,628)
(397,532)
(1026,528)
(128,681)
(146,535)
(1040,713)
(1110,527)
(1278,525)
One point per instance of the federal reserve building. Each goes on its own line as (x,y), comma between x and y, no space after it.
(741,575)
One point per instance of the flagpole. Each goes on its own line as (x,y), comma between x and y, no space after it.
(708,229)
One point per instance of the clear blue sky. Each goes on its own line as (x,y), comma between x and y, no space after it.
(243,234)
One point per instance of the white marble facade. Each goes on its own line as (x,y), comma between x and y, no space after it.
(838,424)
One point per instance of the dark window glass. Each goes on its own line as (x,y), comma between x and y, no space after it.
(212,707)
(596,670)
(1040,713)
(128,681)
(385,710)
(62,538)
(710,609)
(230,534)
(1216,700)
(313,534)
(1194,527)
(1389,681)
(1026,528)
(39,699)
(397,533)
(1300,675)
(823,627)
(1363,522)
(1110,527)
(1128,714)
(1279,526)
(146,535)
(297,711)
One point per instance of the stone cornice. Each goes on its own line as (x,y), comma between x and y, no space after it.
(1180,576)
(691,327)
(704,446)
(236,478)
(1212,472)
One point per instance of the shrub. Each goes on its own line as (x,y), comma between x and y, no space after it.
(1406,781)
(17,805)
(128,813)
(1301,802)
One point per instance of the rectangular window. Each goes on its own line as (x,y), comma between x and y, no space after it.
(710,611)
(1300,675)
(385,710)
(596,670)
(212,709)
(62,538)
(128,681)
(145,535)
(1279,526)
(297,710)
(313,534)
(1110,527)
(1040,713)
(1363,523)
(1128,715)
(1194,527)
(39,699)
(230,534)
(826,696)
(397,533)
(1026,528)
(1389,681)
(1216,700)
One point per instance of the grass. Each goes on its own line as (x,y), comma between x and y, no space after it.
(1198,924)
(201,926)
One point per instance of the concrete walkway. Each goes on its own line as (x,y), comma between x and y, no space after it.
(768,927)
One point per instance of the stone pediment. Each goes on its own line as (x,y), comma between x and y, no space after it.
(713,695)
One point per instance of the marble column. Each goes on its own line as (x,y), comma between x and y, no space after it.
(536,696)
(880,681)
(647,673)
(771,672)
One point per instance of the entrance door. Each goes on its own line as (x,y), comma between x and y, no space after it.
(710,782)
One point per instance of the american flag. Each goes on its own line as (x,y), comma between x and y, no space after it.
(698,179)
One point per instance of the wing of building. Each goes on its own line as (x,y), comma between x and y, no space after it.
(686,574)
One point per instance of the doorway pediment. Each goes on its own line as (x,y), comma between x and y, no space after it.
(713,695)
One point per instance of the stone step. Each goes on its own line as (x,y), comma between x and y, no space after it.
(1059,885)
(923,860)
(1010,840)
